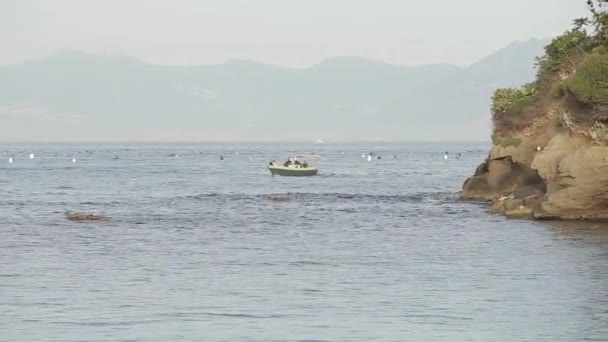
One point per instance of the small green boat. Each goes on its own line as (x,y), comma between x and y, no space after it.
(292,171)
(293,168)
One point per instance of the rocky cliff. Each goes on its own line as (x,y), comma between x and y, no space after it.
(555,172)
(550,154)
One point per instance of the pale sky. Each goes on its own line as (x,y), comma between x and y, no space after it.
(283,32)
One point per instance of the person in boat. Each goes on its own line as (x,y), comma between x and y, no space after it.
(287,163)
(297,163)
(304,164)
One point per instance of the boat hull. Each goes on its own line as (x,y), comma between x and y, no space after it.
(292,171)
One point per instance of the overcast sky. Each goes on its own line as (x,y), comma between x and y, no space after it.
(283,32)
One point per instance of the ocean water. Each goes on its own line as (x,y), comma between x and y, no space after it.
(202,249)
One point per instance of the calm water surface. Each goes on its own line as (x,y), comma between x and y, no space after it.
(198,249)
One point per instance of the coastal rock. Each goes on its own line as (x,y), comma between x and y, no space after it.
(526,151)
(501,176)
(566,179)
(515,206)
(580,186)
(511,206)
(560,146)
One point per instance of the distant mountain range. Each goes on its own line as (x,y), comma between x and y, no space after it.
(78,96)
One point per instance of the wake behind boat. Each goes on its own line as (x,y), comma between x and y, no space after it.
(292,168)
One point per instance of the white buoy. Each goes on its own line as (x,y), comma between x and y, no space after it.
(73,160)
(31,156)
(10,160)
(369,158)
(445,156)
(363,156)
(538,148)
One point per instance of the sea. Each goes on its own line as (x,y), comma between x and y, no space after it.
(196,247)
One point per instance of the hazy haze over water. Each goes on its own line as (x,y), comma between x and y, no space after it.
(289,33)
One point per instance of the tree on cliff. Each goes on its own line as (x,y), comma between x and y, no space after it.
(598,20)
(573,74)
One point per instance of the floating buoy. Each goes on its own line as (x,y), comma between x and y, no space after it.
(369,158)
(10,160)
(363,156)
(538,148)
(31,156)
(73,160)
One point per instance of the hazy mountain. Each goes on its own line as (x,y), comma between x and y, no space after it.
(77,96)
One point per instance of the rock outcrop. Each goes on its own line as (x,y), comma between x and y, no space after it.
(500,176)
(554,175)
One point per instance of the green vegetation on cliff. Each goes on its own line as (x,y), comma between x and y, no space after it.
(590,82)
(508,105)
(506,142)
(573,71)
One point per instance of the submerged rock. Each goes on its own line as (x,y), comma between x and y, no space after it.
(84,217)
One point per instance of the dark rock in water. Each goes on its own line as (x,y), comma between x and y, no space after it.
(280,197)
(500,176)
(85,217)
